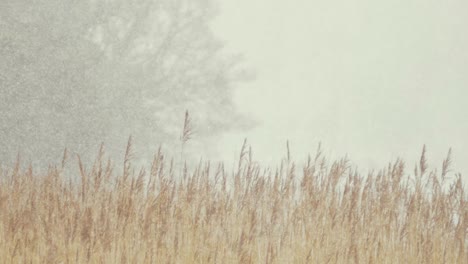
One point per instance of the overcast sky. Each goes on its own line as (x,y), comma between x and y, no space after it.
(371,79)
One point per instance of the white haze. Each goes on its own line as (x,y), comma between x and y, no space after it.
(372,79)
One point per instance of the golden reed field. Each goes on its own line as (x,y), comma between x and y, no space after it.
(316,212)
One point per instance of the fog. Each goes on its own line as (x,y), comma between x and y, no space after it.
(369,79)
(75,74)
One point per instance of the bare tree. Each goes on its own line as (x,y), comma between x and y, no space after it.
(75,73)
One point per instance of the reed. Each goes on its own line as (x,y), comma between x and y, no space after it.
(318,212)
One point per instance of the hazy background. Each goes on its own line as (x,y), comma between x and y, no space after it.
(372,79)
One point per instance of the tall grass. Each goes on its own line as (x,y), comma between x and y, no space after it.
(322,212)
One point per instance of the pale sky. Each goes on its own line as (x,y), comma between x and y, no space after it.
(371,79)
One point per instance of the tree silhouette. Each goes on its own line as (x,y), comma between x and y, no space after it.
(75,73)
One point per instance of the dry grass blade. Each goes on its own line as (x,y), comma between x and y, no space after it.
(187,131)
(333,215)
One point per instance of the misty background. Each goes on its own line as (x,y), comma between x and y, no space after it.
(374,80)
(78,73)
(371,80)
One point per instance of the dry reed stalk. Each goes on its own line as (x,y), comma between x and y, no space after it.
(327,214)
